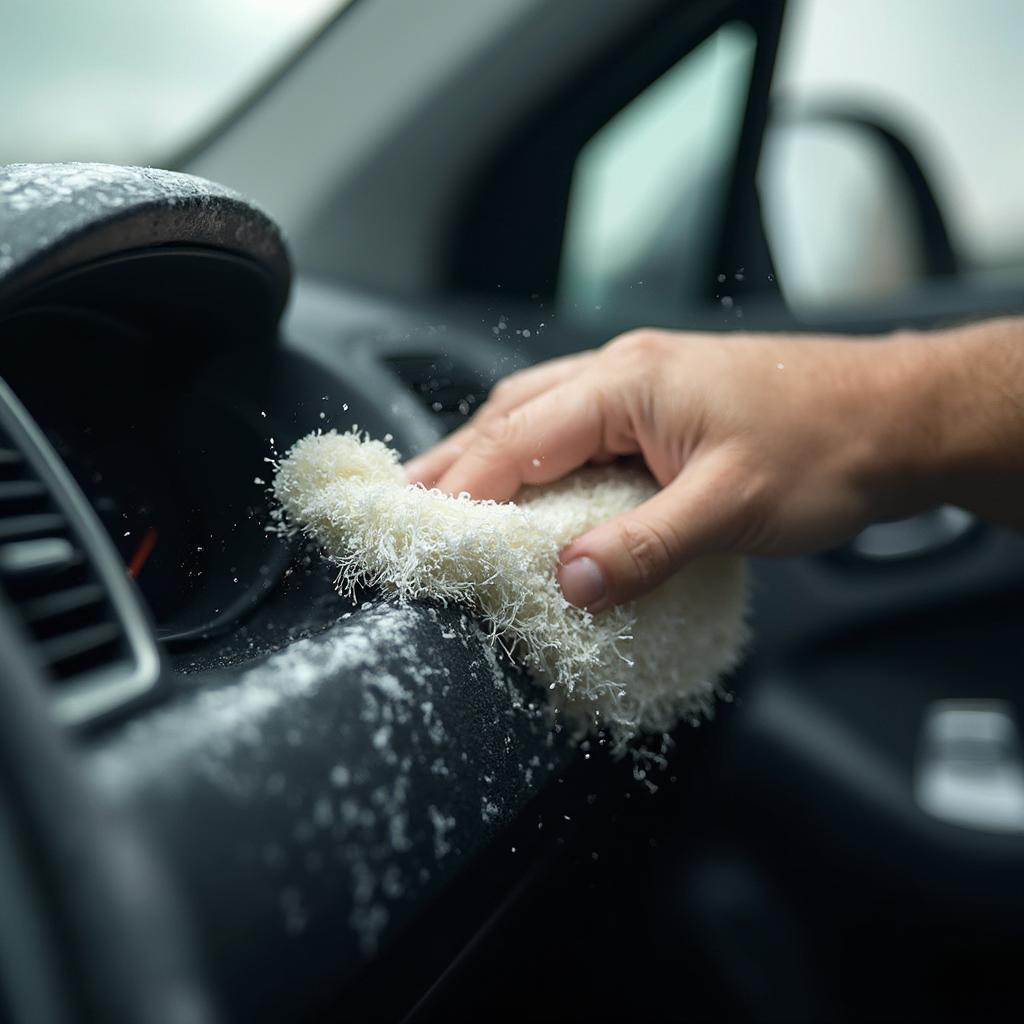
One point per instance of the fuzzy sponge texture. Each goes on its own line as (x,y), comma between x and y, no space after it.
(634,668)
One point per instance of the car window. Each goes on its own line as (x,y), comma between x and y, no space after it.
(649,187)
(135,82)
(946,78)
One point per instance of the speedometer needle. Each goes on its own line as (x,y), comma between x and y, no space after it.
(142,552)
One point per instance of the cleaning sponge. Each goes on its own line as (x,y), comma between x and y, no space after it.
(639,667)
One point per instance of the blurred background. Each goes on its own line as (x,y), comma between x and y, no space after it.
(859,90)
(467,187)
(129,83)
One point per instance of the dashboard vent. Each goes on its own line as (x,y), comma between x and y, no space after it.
(450,391)
(63,581)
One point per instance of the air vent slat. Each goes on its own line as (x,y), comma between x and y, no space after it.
(79,642)
(10,457)
(61,602)
(21,490)
(17,527)
(23,558)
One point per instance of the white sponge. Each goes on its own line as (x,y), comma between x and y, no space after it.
(639,667)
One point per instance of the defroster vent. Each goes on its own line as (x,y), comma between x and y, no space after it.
(448,390)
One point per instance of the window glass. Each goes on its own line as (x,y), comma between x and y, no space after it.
(135,81)
(648,188)
(947,78)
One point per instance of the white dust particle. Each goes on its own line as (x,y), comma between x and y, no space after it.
(443,824)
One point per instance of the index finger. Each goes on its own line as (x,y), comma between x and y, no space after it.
(509,393)
(540,441)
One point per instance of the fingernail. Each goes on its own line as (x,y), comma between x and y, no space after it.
(581,582)
(413,470)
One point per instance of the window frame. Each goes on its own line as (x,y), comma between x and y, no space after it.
(508,229)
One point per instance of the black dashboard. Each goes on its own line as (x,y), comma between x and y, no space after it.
(227,793)
(298,776)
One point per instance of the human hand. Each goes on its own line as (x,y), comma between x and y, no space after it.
(762,444)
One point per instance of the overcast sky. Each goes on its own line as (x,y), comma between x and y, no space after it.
(132,81)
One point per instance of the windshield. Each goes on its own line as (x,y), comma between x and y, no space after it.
(137,81)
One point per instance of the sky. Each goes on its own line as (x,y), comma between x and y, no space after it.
(135,81)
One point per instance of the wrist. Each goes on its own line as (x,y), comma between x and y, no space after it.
(908,451)
(983,386)
(955,430)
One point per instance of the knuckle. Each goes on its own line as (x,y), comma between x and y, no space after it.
(497,431)
(505,388)
(644,343)
(756,497)
(649,550)
(754,505)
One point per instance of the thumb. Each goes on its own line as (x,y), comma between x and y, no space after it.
(627,556)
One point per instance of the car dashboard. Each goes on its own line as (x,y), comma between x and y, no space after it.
(296,774)
(229,793)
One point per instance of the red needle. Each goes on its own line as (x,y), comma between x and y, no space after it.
(142,552)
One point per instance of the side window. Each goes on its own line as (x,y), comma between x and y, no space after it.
(648,189)
(945,79)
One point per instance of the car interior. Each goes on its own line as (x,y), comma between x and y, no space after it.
(208,809)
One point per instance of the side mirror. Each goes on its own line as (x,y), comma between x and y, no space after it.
(848,211)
